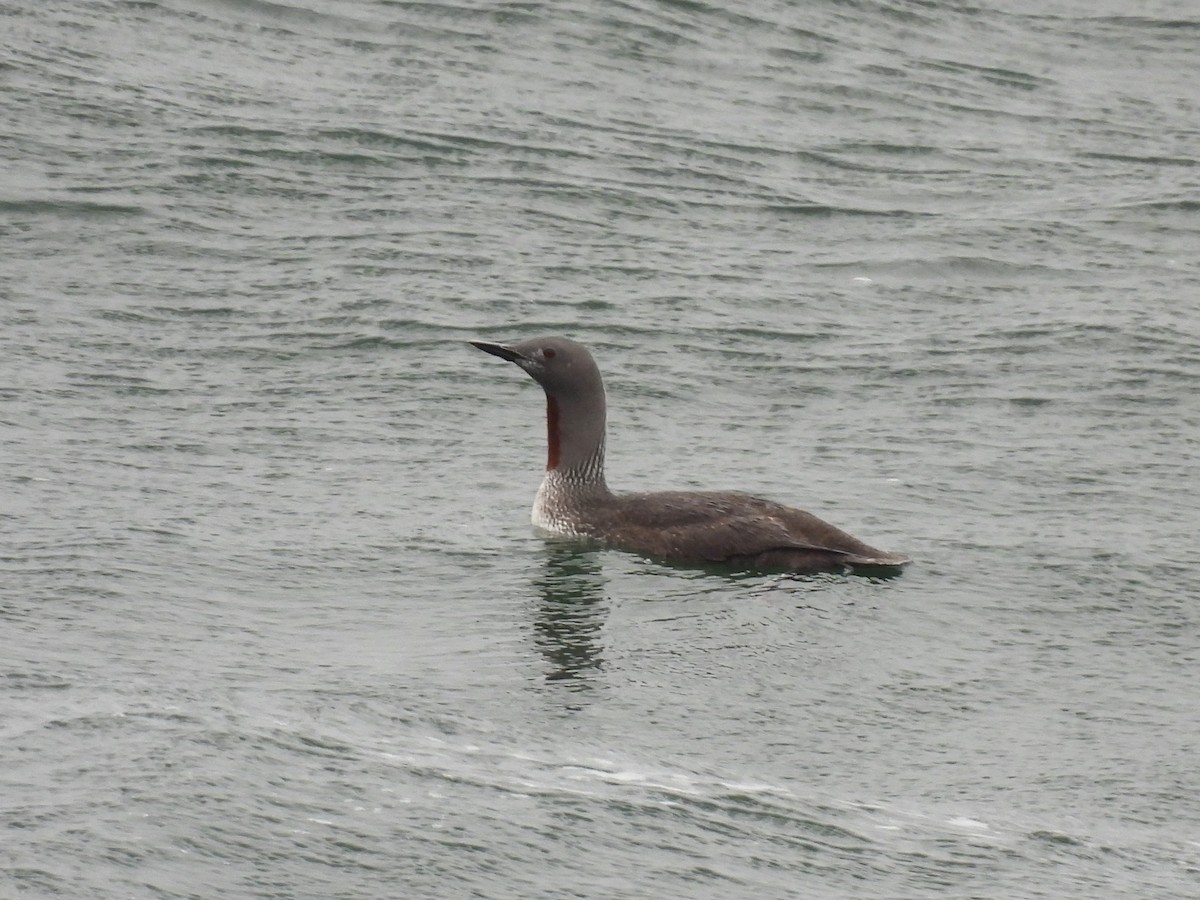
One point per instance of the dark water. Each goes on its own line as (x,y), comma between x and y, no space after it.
(274,623)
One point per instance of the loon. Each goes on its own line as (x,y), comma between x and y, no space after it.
(721,528)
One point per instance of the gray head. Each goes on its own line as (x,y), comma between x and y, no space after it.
(564,368)
(575,406)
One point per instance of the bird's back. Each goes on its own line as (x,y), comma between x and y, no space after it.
(730,528)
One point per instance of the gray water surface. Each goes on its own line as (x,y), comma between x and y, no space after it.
(275,623)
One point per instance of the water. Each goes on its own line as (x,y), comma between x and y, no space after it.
(274,622)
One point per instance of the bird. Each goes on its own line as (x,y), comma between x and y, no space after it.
(707,528)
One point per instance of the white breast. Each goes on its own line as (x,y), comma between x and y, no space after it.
(552,508)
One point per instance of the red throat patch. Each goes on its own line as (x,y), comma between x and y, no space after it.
(551,433)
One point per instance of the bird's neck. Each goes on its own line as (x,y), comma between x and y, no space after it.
(575,433)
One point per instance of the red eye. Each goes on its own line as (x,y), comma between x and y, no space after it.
(548,353)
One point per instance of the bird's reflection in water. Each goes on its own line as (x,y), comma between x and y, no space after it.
(570,614)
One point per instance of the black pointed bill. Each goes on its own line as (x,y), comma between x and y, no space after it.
(499,350)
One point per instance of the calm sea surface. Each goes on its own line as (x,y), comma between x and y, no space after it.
(273,621)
